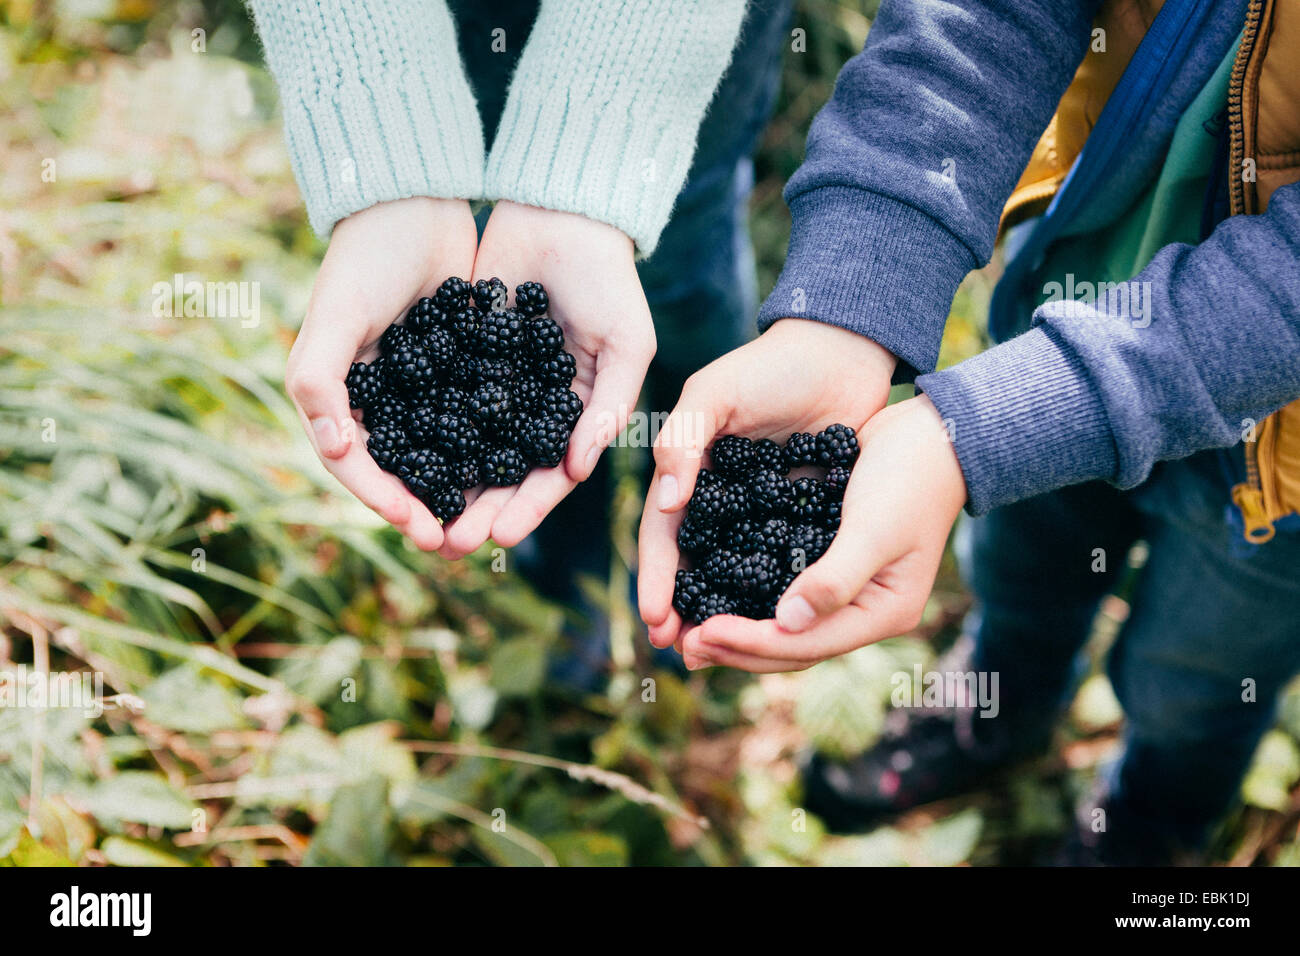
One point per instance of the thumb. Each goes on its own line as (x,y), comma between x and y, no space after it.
(315,379)
(679,448)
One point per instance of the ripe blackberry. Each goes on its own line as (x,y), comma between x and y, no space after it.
(490,370)
(499,333)
(453,400)
(768,456)
(389,408)
(528,391)
(772,537)
(365,383)
(466,473)
(760,607)
(716,500)
(395,339)
(770,493)
(837,479)
(713,603)
(800,449)
(695,538)
(456,437)
(543,441)
(424,471)
(733,456)
(837,445)
(558,369)
(737,537)
(490,294)
(543,338)
(688,589)
(804,545)
(531,299)
(721,566)
(411,371)
(387,442)
(809,502)
(441,347)
(755,575)
(420,425)
(464,325)
(424,316)
(831,519)
(452,295)
(462,372)
(503,465)
(561,404)
(490,404)
(445,503)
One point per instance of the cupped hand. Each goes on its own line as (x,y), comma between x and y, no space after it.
(872,583)
(589,271)
(379,262)
(799,375)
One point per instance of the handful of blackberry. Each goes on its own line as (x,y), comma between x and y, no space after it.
(467,391)
(750,527)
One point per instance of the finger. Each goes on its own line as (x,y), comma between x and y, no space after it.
(668,633)
(540,492)
(314,378)
(709,656)
(473,527)
(657,560)
(883,614)
(613,396)
(679,448)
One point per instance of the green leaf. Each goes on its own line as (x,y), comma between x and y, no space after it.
(32,852)
(121,851)
(185,700)
(139,797)
(518,667)
(588,849)
(358,830)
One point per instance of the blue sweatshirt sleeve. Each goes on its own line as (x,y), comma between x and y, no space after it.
(909,164)
(1086,394)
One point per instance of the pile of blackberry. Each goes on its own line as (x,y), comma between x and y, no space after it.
(467,391)
(750,527)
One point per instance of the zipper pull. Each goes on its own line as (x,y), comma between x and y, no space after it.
(1250,501)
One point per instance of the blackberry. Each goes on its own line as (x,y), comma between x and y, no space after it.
(696,538)
(424,471)
(738,536)
(837,445)
(558,369)
(420,425)
(544,441)
(561,404)
(452,400)
(768,456)
(528,391)
(441,348)
(716,500)
(688,590)
(411,370)
(809,502)
(772,537)
(489,405)
(713,603)
(462,372)
(760,607)
(503,465)
(721,566)
(490,294)
(365,383)
(499,333)
(464,325)
(388,409)
(831,519)
(491,369)
(837,479)
(733,456)
(395,339)
(387,442)
(445,503)
(452,295)
(770,493)
(465,473)
(755,575)
(804,545)
(424,317)
(543,338)
(531,299)
(800,449)
(456,437)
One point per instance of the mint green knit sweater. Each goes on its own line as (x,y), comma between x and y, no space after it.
(601,116)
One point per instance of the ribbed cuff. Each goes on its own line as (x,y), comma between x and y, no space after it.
(376,105)
(1025,419)
(605,106)
(874,265)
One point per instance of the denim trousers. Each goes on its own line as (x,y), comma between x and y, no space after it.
(1211,639)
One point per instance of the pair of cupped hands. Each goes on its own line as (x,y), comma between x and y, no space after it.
(800,375)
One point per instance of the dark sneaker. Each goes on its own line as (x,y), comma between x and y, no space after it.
(1106,833)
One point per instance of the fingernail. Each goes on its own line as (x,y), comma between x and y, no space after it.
(794,614)
(694,662)
(592,456)
(667,492)
(327,435)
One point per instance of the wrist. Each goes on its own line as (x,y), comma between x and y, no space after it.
(836,344)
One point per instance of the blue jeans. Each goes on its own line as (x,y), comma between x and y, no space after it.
(700,282)
(1211,619)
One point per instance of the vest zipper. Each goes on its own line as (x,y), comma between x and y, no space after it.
(1249,495)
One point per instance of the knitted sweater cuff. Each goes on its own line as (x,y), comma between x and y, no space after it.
(1025,418)
(376,105)
(872,264)
(605,106)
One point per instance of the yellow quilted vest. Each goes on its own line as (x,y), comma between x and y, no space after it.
(1264,116)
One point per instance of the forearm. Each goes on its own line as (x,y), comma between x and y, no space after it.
(909,164)
(1090,394)
(376,105)
(605,106)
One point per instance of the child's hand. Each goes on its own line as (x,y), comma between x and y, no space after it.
(590,275)
(799,375)
(903,498)
(380,261)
